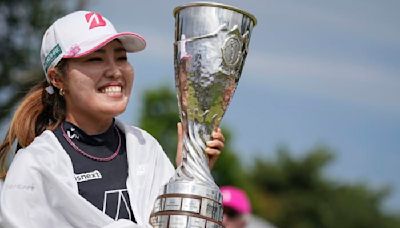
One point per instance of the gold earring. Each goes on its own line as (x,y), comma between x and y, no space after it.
(61,92)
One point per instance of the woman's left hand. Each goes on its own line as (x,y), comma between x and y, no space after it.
(213,149)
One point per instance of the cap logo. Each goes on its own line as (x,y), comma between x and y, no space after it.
(95,20)
(53,54)
(75,49)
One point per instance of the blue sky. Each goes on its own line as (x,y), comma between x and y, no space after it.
(318,72)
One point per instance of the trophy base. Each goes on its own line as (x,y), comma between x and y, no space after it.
(187,204)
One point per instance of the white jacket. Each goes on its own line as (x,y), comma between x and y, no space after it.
(40,190)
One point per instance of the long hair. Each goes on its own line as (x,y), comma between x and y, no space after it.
(37,112)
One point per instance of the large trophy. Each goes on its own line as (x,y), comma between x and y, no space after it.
(211,44)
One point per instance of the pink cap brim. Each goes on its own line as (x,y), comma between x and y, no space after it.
(132,42)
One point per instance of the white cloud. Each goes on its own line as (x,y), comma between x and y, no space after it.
(376,21)
(368,85)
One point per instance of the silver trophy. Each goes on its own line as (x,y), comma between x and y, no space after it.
(211,44)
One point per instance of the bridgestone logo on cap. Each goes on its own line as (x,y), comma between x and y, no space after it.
(53,54)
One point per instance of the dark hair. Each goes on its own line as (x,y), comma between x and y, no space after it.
(231,212)
(37,112)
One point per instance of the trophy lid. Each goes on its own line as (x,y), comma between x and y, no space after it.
(215,4)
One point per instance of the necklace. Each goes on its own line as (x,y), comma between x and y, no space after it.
(79,150)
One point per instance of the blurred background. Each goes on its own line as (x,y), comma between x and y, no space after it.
(313,129)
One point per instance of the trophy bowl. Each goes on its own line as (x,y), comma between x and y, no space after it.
(211,45)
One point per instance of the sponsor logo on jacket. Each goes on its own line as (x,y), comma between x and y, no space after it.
(82,177)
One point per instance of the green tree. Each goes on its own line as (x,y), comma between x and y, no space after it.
(23,23)
(293,192)
(159,117)
(229,170)
(288,191)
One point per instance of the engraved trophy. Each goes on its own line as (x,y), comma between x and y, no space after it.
(211,44)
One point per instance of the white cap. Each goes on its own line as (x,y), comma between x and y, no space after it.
(81,33)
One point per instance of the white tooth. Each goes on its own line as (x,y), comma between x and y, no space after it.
(112,89)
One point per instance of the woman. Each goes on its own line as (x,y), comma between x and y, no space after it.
(78,166)
(237,207)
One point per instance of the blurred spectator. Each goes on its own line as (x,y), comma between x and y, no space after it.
(237,207)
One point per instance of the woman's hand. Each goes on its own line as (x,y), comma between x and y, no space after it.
(213,150)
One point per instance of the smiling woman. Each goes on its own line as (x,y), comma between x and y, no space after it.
(78,166)
(97,88)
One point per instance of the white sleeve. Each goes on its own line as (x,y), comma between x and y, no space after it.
(22,202)
(149,170)
(39,192)
(34,197)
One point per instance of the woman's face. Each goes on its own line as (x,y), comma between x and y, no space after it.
(98,86)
